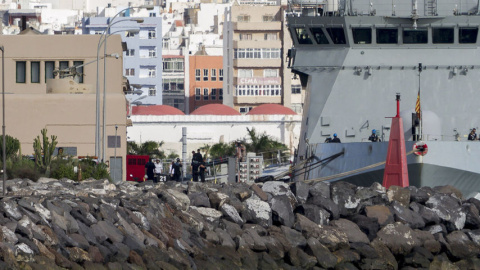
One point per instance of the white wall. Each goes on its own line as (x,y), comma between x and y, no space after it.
(211,129)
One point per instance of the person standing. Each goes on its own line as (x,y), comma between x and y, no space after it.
(335,139)
(149,170)
(177,170)
(374,136)
(158,170)
(194,166)
(202,171)
(472,136)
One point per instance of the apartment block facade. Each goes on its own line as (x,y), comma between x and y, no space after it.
(143,54)
(206,81)
(256,71)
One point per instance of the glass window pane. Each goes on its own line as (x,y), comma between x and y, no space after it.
(442,35)
(302,36)
(337,35)
(415,36)
(21,71)
(35,72)
(49,67)
(467,35)
(362,35)
(319,36)
(79,76)
(387,36)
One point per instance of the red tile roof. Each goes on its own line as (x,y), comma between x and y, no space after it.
(271,109)
(156,110)
(215,109)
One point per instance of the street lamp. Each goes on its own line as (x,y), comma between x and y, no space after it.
(4,146)
(102,39)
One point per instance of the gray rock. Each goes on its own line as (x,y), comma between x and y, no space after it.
(352,230)
(301,191)
(217,199)
(231,214)
(343,195)
(326,204)
(294,238)
(399,195)
(460,246)
(324,257)
(399,238)
(407,216)
(199,199)
(314,213)
(320,189)
(282,212)
(258,212)
(381,212)
(224,239)
(449,210)
(10,209)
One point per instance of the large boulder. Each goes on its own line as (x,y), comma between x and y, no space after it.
(449,209)
(354,234)
(399,238)
(282,212)
(258,212)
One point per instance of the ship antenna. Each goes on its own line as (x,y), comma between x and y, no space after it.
(419,111)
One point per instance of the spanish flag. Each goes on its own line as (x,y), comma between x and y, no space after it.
(418,110)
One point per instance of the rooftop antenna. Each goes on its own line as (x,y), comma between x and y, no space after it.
(393,8)
(414,14)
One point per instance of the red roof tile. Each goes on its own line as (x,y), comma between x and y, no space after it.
(215,109)
(271,109)
(156,110)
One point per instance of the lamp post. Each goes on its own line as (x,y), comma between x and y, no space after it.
(3,123)
(115,155)
(102,39)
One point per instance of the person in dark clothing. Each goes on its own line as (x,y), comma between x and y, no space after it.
(472,136)
(329,139)
(149,170)
(374,137)
(177,170)
(202,170)
(335,138)
(195,165)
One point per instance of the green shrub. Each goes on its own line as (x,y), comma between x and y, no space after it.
(12,146)
(92,170)
(22,168)
(62,168)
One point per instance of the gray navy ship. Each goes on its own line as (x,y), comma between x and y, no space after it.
(354,57)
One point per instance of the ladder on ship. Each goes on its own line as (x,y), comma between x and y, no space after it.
(430,8)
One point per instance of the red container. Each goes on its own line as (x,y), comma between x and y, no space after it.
(136,167)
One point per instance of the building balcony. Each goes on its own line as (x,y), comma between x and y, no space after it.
(174,93)
(257,26)
(276,44)
(253,100)
(265,63)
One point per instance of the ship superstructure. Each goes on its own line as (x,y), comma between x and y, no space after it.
(354,56)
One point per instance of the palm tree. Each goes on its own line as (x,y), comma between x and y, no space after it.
(263,144)
(206,149)
(150,148)
(221,150)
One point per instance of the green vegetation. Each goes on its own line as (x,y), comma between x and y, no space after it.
(12,147)
(44,151)
(149,148)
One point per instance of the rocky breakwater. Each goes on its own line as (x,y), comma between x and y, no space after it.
(53,224)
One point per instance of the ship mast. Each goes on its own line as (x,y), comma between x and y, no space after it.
(420,116)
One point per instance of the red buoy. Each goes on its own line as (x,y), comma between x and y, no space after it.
(396,173)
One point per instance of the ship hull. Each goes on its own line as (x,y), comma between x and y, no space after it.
(447,163)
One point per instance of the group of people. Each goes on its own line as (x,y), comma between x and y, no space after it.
(154,168)
(373,137)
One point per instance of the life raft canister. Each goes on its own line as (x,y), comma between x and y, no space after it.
(420,149)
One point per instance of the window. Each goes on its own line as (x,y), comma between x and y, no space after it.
(130,52)
(205,74)
(302,36)
(296,89)
(197,93)
(337,35)
(49,67)
(152,34)
(173,64)
(152,91)
(467,35)
(442,35)
(129,34)
(245,109)
(129,72)
(265,53)
(152,72)
(79,75)
(114,141)
(63,66)
(205,93)
(268,18)
(243,18)
(387,36)
(362,35)
(152,14)
(197,75)
(319,35)
(415,36)
(220,94)
(220,74)
(270,36)
(270,73)
(245,73)
(214,75)
(21,71)
(245,36)
(173,84)
(213,94)
(98,32)
(152,52)
(166,43)
(258,90)
(35,72)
